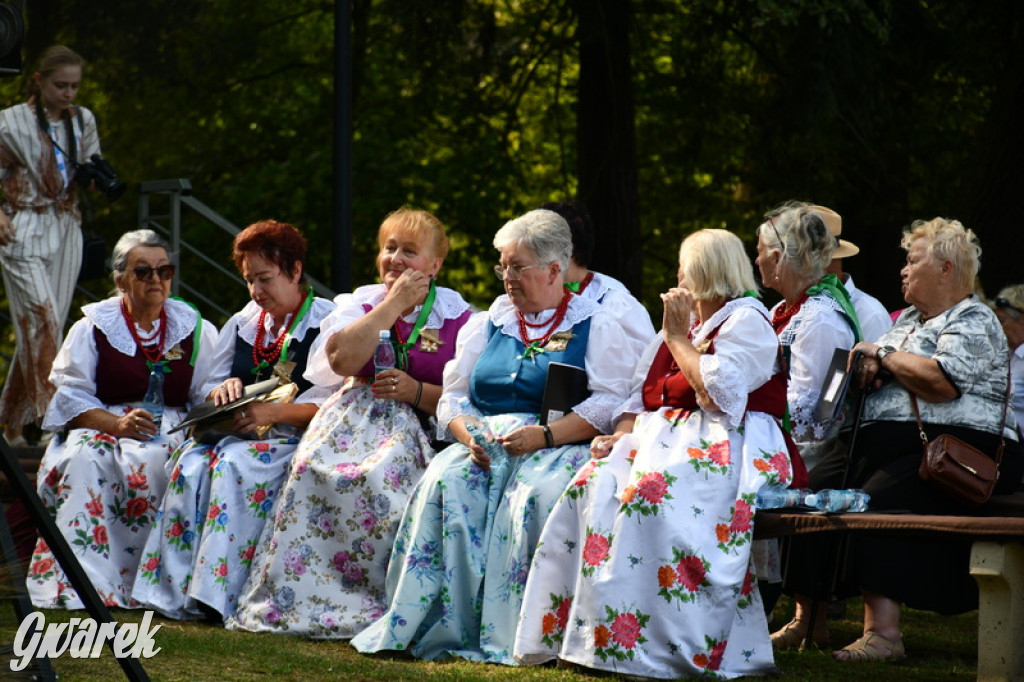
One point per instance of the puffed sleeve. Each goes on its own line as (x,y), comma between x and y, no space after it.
(203,372)
(809,359)
(632,315)
(218,358)
(469,345)
(73,373)
(90,135)
(610,364)
(746,348)
(347,309)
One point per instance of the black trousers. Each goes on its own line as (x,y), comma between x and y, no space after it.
(926,573)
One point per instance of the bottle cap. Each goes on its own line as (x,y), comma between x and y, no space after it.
(385,334)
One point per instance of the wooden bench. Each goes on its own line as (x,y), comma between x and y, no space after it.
(997,564)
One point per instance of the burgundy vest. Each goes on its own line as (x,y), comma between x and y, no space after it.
(667,386)
(122,379)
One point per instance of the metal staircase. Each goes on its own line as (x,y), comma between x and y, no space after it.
(193,258)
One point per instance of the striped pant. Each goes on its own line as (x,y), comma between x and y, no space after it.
(40,269)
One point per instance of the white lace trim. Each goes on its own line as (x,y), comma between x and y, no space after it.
(249,318)
(722,379)
(448,304)
(503,315)
(107,316)
(724,312)
(725,381)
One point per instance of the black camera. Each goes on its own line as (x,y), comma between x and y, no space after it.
(12,34)
(99,171)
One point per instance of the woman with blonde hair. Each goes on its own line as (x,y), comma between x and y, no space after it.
(41,141)
(319,568)
(644,566)
(947,359)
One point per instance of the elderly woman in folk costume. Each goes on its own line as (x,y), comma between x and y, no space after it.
(644,567)
(319,568)
(220,494)
(463,551)
(103,474)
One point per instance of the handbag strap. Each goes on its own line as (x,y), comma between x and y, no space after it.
(1002,426)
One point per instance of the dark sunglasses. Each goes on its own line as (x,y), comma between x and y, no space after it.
(1003,303)
(144,273)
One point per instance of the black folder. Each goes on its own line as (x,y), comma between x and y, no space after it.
(207,411)
(834,388)
(565,388)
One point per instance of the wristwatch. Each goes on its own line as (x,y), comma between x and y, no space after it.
(882,352)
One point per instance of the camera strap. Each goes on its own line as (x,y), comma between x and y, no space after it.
(87,214)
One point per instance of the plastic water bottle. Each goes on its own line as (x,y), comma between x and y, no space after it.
(482,434)
(828,500)
(384,356)
(777,497)
(154,398)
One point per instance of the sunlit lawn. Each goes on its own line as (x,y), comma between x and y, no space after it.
(939,648)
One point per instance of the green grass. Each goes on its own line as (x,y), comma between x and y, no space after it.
(939,648)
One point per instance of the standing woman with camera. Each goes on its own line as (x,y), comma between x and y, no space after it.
(41,143)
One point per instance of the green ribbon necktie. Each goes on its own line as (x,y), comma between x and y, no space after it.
(402,348)
(831,285)
(283,357)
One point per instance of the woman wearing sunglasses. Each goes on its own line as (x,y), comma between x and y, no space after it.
(222,488)
(102,475)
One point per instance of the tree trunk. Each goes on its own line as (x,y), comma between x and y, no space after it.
(606,138)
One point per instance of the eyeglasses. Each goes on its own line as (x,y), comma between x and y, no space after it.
(771,221)
(513,273)
(1003,303)
(144,273)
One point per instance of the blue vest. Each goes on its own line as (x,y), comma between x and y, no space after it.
(503,381)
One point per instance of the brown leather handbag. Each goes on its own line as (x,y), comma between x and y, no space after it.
(959,470)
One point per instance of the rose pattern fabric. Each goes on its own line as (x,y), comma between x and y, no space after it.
(650,547)
(212,516)
(103,493)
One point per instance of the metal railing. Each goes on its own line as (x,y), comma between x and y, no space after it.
(178,193)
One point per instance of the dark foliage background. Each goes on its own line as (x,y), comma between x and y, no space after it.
(665,116)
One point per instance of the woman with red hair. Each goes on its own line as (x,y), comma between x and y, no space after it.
(220,495)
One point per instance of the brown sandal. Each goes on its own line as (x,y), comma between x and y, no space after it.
(872,647)
(793,634)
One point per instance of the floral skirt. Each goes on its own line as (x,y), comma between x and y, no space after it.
(644,567)
(319,567)
(103,493)
(217,502)
(463,552)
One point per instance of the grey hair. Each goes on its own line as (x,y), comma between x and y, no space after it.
(129,241)
(800,235)
(542,231)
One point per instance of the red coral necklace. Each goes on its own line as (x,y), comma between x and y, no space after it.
(262,355)
(152,354)
(534,346)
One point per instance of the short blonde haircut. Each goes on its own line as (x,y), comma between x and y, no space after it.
(716,265)
(948,240)
(798,232)
(420,225)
